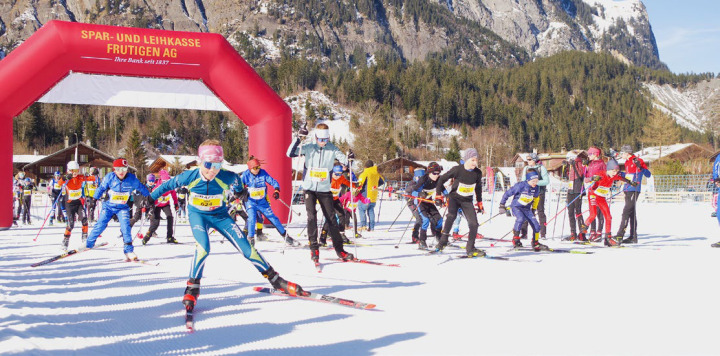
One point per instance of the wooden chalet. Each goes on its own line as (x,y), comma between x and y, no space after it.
(45,167)
(399,169)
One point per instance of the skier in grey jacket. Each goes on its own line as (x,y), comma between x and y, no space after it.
(320,157)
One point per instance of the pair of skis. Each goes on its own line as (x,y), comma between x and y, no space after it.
(317,297)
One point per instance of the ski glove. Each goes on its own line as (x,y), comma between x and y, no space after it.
(439,201)
(351,154)
(634,184)
(637,163)
(303,130)
(480,208)
(505,210)
(276,194)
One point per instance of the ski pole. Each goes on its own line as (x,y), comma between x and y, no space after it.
(568,204)
(393,223)
(557,206)
(52,209)
(420,199)
(289,207)
(404,231)
(382,194)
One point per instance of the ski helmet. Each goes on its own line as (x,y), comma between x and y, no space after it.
(337,169)
(28,180)
(57,173)
(434,167)
(151,178)
(73,165)
(612,165)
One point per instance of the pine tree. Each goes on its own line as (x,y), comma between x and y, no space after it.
(453,155)
(135,153)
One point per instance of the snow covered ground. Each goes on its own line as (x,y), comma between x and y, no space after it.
(657,298)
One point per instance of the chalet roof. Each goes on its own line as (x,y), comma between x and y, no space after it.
(27,158)
(59,157)
(651,154)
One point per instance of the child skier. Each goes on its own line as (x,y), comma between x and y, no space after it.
(255,180)
(635,170)
(466,185)
(91,183)
(419,172)
(338,187)
(534,163)
(525,201)
(75,204)
(207,209)
(119,184)
(425,188)
(598,192)
(182,193)
(320,158)
(595,166)
(161,204)
(27,190)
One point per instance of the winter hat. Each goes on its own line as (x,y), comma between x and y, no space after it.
(211,153)
(626,149)
(469,153)
(612,165)
(594,151)
(531,174)
(164,175)
(120,162)
(534,156)
(337,169)
(434,167)
(150,178)
(369,163)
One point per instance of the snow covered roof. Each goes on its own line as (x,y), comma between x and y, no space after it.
(27,158)
(442,162)
(650,154)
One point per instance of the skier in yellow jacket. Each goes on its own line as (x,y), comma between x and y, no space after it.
(369,181)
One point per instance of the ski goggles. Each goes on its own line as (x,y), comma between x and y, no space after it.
(256,168)
(120,169)
(323,139)
(212,165)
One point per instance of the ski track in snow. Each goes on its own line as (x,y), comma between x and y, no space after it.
(637,300)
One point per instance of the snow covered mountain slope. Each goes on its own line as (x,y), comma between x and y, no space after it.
(696,107)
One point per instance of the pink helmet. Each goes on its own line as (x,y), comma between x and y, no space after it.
(164,176)
(594,151)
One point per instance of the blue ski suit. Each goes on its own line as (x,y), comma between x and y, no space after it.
(256,186)
(119,191)
(207,209)
(525,200)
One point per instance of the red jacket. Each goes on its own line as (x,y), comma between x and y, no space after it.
(164,199)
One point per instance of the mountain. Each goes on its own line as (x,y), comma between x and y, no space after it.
(494,33)
(695,106)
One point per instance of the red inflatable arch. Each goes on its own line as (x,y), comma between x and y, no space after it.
(68,62)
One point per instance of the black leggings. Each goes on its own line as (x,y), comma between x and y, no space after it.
(469,212)
(325,199)
(155,220)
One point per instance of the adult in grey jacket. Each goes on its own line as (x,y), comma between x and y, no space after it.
(320,156)
(534,162)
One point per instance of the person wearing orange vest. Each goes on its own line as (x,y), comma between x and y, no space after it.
(338,186)
(73,192)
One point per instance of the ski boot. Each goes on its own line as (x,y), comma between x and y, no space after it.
(192,292)
(260,235)
(630,240)
(474,252)
(281,284)
(572,237)
(537,246)
(620,234)
(289,240)
(516,240)
(65,242)
(171,240)
(51,222)
(345,240)
(346,256)
(717,244)
(422,245)
(314,254)
(145,239)
(84,238)
(611,241)
(323,238)
(713,214)
(131,256)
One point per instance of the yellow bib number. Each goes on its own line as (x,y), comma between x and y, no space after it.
(74,194)
(466,190)
(602,191)
(256,193)
(335,191)
(318,174)
(27,192)
(118,197)
(181,196)
(163,199)
(525,199)
(206,202)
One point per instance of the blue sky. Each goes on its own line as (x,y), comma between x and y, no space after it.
(687,33)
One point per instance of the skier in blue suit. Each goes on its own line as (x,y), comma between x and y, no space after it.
(206,210)
(525,201)
(119,185)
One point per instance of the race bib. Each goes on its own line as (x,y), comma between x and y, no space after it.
(602,191)
(206,202)
(119,197)
(335,191)
(163,199)
(181,196)
(27,192)
(74,194)
(57,186)
(256,193)
(525,199)
(318,174)
(466,190)
(352,206)
(429,193)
